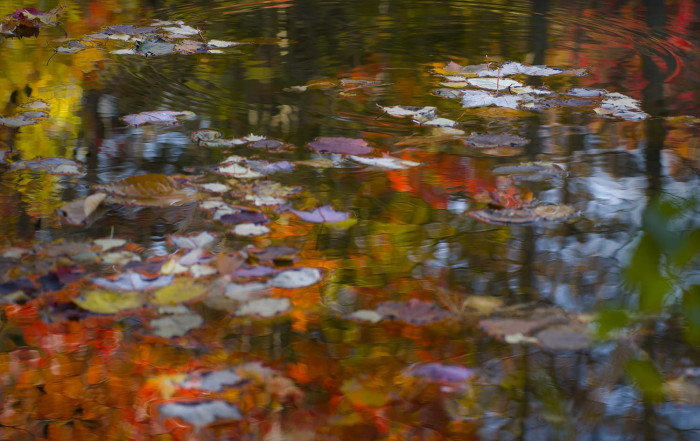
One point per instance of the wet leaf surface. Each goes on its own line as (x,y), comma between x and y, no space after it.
(415,312)
(168,117)
(324,214)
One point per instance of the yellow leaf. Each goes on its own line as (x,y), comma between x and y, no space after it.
(178,292)
(108,302)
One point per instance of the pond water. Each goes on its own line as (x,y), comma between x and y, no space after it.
(288,259)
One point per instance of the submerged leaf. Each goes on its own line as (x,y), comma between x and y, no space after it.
(53,166)
(149,189)
(414,311)
(346,146)
(176,325)
(505,216)
(491,140)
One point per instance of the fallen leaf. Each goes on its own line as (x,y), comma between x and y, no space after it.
(150,189)
(505,216)
(555,212)
(491,140)
(324,214)
(178,292)
(427,112)
(266,307)
(120,258)
(156,117)
(387,162)
(365,315)
(108,302)
(565,338)
(508,326)
(296,278)
(52,166)
(211,138)
(414,311)
(250,230)
(76,212)
(439,372)
(515,68)
(130,281)
(493,83)
(176,325)
(222,43)
(108,244)
(346,146)
(214,381)
(481,98)
(275,253)
(200,240)
(200,413)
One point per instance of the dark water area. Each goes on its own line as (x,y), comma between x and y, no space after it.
(545,287)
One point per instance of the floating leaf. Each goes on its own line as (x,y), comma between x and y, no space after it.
(493,83)
(346,146)
(437,122)
(414,311)
(211,138)
(108,302)
(505,216)
(133,282)
(214,187)
(129,30)
(200,240)
(254,271)
(267,307)
(246,291)
(555,212)
(491,140)
(483,304)
(481,98)
(515,68)
(586,93)
(108,244)
(296,278)
(275,253)
(120,258)
(324,214)
(178,293)
(169,117)
(387,162)
(250,230)
(439,372)
(236,170)
(365,315)
(181,30)
(271,145)
(200,413)
(222,43)
(76,212)
(53,166)
(176,325)
(427,112)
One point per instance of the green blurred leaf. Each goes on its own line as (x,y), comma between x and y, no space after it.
(611,320)
(648,379)
(691,313)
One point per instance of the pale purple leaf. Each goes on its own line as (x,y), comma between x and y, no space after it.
(324,214)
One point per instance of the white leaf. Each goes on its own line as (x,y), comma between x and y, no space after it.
(222,43)
(267,307)
(366,315)
(245,292)
(239,171)
(296,278)
(250,230)
(493,83)
(201,240)
(202,413)
(421,112)
(437,122)
(176,325)
(385,162)
(199,270)
(182,30)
